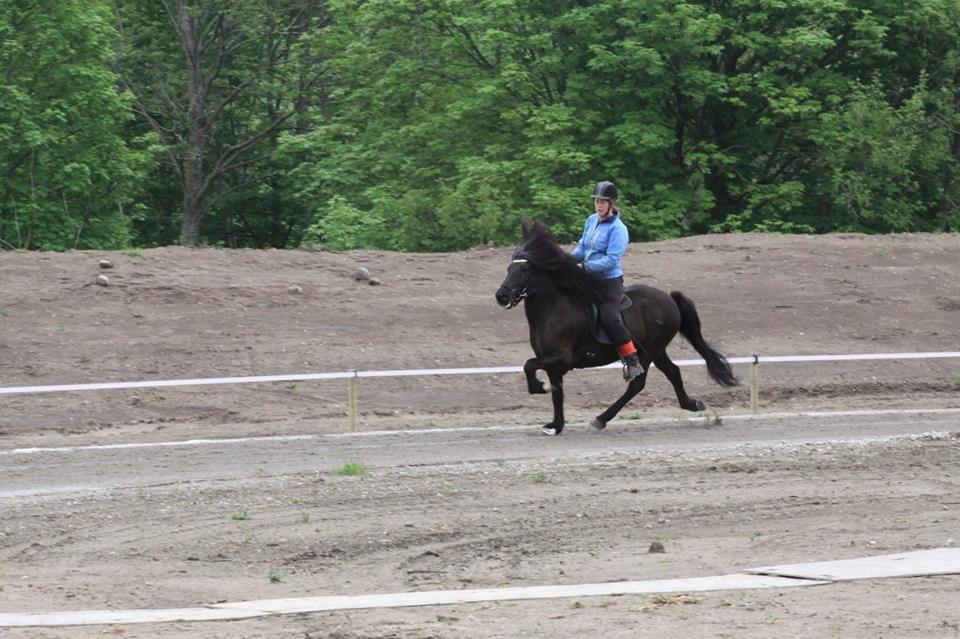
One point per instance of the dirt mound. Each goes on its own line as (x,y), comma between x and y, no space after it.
(174,313)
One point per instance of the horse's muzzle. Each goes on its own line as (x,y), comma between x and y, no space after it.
(506,298)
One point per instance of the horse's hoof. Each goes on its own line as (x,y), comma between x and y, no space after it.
(694,406)
(540,388)
(552,430)
(597,424)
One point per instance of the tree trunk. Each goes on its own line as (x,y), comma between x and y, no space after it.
(190,227)
(193,190)
(193,171)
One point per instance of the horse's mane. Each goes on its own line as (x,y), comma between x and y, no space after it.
(540,248)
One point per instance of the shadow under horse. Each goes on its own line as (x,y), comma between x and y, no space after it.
(557,294)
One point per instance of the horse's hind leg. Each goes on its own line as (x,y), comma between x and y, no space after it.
(635,386)
(672,371)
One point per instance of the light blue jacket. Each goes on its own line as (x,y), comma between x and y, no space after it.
(602,245)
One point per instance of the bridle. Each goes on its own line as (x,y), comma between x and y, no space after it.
(522,293)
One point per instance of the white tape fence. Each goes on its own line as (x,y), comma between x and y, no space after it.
(353,376)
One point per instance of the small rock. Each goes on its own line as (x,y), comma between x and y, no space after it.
(293,289)
(361,275)
(374,281)
(106,264)
(103,280)
(656,547)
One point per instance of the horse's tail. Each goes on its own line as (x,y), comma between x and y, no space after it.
(717,364)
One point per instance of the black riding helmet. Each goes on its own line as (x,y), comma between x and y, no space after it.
(605,191)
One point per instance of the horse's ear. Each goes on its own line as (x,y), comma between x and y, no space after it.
(527,225)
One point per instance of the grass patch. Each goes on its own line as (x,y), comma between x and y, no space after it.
(672,600)
(956,381)
(276,576)
(880,251)
(352,468)
(240,516)
(539,478)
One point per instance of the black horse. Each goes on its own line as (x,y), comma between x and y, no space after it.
(557,296)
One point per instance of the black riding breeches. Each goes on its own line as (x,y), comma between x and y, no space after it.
(611,293)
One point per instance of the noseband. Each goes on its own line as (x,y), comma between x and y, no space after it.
(523,292)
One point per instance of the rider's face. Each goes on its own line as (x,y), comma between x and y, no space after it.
(603,208)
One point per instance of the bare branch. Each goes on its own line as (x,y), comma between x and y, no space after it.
(228,159)
(171,14)
(230,97)
(140,108)
(236,187)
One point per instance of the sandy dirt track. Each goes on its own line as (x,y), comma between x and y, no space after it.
(496,505)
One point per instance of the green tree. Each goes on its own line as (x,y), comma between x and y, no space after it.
(447,121)
(875,156)
(926,37)
(218,81)
(712,115)
(437,124)
(67,176)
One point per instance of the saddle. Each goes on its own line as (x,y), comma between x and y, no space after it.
(596,326)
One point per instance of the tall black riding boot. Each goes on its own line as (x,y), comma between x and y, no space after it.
(631,367)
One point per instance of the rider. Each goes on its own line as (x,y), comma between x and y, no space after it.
(600,249)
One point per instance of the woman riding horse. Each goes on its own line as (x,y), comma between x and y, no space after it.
(600,250)
(557,295)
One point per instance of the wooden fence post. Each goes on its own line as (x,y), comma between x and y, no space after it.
(755,385)
(352,401)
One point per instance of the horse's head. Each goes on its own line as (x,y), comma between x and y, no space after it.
(537,256)
(515,284)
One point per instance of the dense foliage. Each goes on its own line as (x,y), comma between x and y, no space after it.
(69,172)
(437,124)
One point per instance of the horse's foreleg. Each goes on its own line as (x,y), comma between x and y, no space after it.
(672,371)
(556,392)
(534,385)
(635,386)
